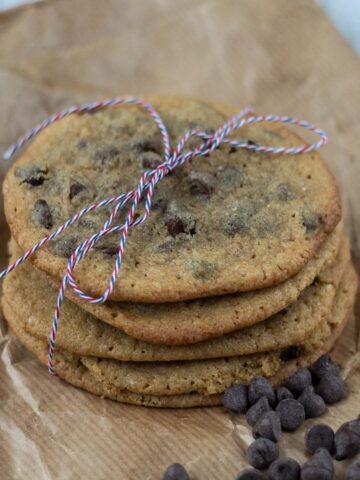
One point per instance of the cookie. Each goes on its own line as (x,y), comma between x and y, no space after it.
(207,377)
(74,371)
(32,300)
(198,320)
(233,221)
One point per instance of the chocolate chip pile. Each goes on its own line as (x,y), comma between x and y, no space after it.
(269,412)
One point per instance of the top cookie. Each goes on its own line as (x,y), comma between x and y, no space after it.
(233,221)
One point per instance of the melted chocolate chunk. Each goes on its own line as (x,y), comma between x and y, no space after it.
(146,145)
(178,220)
(107,249)
(290,353)
(32,175)
(75,189)
(203,270)
(238,221)
(107,156)
(311,221)
(283,192)
(81,144)
(41,214)
(159,204)
(200,183)
(64,246)
(230,177)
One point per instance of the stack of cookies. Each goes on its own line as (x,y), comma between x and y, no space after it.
(242,268)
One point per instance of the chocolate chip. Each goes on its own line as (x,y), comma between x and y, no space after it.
(282,393)
(268,426)
(178,220)
(175,472)
(291,413)
(319,436)
(202,269)
(290,353)
(324,365)
(261,387)
(200,183)
(331,388)
(145,145)
(107,156)
(283,192)
(318,467)
(81,144)
(230,177)
(64,246)
(41,214)
(238,220)
(159,204)
(150,160)
(32,175)
(75,189)
(353,472)
(257,411)
(347,440)
(262,453)
(297,382)
(313,404)
(235,398)
(284,469)
(311,221)
(107,249)
(250,474)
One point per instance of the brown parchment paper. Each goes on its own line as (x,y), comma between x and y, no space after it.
(280,57)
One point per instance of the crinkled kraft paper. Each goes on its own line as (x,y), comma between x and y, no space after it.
(280,57)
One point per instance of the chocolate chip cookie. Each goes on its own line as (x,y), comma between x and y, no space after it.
(233,221)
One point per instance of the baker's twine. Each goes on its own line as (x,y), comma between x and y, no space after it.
(144,189)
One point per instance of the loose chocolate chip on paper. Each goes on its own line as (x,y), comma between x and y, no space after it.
(262,453)
(41,214)
(251,474)
(347,440)
(331,388)
(297,382)
(268,426)
(324,365)
(282,393)
(257,411)
(319,467)
(261,387)
(319,436)
(291,413)
(353,472)
(175,472)
(284,469)
(32,175)
(235,398)
(313,404)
